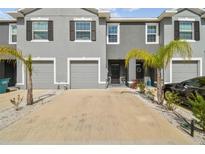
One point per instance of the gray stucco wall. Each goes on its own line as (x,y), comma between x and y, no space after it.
(4,41)
(62,48)
(132,35)
(198,47)
(4,34)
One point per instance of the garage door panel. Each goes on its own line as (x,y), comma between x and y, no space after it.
(183,70)
(43,74)
(84,74)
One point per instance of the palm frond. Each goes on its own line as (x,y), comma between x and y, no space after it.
(178,47)
(29,63)
(9,51)
(148,58)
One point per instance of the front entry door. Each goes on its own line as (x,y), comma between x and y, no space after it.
(115,73)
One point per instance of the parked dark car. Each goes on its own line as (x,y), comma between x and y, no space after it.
(186,88)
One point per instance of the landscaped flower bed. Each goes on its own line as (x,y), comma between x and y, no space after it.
(176,115)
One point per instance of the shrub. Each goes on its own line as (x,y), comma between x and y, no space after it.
(198,109)
(16,101)
(141,86)
(172,99)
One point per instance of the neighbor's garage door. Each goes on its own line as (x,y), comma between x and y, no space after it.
(84,74)
(43,74)
(183,70)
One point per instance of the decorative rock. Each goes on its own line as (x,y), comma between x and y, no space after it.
(9,115)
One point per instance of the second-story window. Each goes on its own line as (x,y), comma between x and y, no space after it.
(83,30)
(12,33)
(113,33)
(40,30)
(152,33)
(186,30)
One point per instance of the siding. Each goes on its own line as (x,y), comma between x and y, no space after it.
(4,33)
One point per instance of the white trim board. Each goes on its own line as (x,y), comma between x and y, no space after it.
(39,19)
(185,19)
(191,59)
(84,59)
(42,59)
(82,19)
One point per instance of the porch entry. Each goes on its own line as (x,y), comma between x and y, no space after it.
(139,70)
(144,74)
(117,72)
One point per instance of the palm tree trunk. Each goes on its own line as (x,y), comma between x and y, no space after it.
(159,87)
(29,89)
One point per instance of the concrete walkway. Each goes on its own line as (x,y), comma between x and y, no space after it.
(112,116)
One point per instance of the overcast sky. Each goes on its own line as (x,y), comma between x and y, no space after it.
(128,12)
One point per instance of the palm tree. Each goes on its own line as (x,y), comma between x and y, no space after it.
(160,59)
(11,52)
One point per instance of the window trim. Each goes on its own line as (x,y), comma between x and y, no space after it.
(10,33)
(77,40)
(118,33)
(157,32)
(39,40)
(188,40)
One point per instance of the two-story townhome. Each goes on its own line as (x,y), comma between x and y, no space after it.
(82,48)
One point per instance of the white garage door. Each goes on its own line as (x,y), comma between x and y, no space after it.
(183,70)
(84,74)
(43,74)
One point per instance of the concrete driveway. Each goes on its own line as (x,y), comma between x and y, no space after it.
(112,116)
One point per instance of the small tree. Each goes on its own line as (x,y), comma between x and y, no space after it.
(16,101)
(160,59)
(198,109)
(11,52)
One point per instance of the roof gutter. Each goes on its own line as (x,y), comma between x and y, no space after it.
(15,14)
(203,15)
(7,20)
(167,13)
(133,20)
(104,14)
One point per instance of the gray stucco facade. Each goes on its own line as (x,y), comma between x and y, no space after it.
(61,52)
(198,47)
(132,35)
(61,48)
(4,41)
